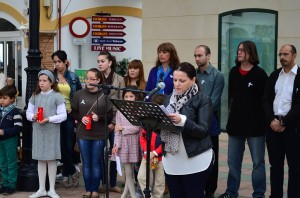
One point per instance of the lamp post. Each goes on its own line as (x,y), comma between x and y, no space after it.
(28,176)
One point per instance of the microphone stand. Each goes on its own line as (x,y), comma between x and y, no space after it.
(106,91)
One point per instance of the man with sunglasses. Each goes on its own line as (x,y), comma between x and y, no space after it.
(282,111)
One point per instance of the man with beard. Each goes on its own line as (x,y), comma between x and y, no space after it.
(211,83)
(282,111)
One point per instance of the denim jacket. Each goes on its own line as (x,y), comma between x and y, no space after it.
(72,80)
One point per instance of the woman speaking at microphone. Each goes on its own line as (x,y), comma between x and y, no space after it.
(188,155)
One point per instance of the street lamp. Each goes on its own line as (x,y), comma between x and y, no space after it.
(28,176)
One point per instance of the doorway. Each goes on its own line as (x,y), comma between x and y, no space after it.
(11,60)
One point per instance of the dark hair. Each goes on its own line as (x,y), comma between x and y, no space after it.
(158,99)
(110,58)
(174,59)
(10,91)
(62,55)
(138,96)
(54,85)
(250,48)
(293,49)
(207,49)
(96,71)
(187,68)
(136,64)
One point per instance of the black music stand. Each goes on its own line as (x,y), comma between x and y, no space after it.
(150,116)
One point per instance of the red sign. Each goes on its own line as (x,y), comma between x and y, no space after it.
(108,19)
(108,26)
(83,23)
(108,33)
(108,48)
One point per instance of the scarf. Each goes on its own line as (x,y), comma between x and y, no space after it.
(161,76)
(177,101)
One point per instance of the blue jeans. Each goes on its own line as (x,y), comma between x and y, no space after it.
(67,139)
(91,152)
(236,148)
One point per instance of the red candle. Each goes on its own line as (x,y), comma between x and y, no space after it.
(40,114)
(88,126)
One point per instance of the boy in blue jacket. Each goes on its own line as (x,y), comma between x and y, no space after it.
(10,127)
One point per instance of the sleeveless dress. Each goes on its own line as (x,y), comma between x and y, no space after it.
(46,137)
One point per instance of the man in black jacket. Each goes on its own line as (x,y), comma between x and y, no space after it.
(282,109)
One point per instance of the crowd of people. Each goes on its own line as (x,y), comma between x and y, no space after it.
(262,110)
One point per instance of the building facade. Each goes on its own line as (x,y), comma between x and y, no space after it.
(221,25)
(68,25)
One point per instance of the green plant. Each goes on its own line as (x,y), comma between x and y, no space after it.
(121,68)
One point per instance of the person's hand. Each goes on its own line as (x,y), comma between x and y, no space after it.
(275,126)
(1,132)
(44,121)
(85,120)
(152,155)
(95,117)
(111,127)
(114,151)
(174,117)
(118,128)
(35,116)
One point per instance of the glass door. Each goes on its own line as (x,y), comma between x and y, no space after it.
(11,63)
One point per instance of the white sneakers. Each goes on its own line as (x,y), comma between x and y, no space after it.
(53,194)
(38,194)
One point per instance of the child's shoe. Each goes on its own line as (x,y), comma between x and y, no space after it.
(2,189)
(53,194)
(38,194)
(9,191)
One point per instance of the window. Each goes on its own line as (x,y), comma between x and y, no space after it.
(257,25)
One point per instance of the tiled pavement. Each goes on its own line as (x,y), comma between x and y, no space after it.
(245,187)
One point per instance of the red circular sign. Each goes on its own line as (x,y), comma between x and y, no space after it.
(82,31)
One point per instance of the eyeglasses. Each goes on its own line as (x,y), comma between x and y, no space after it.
(91,79)
(283,54)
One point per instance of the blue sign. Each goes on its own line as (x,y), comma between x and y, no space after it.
(107,41)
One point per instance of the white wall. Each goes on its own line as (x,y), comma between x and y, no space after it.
(189,23)
(133,44)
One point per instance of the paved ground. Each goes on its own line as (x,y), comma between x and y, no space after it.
(245,188)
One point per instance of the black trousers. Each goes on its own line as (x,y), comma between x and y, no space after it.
(281,145)
(188,186)
(212,180)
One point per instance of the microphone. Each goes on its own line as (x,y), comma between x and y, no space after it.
(158,87)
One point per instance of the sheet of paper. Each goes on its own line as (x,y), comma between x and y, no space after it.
(164,109)
(119,167)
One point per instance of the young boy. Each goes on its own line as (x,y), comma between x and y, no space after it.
(10,127)
(157,186)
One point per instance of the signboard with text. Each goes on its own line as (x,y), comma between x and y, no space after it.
(108,48)
(108,26)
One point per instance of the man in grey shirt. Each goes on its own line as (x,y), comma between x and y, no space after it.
(211,83)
